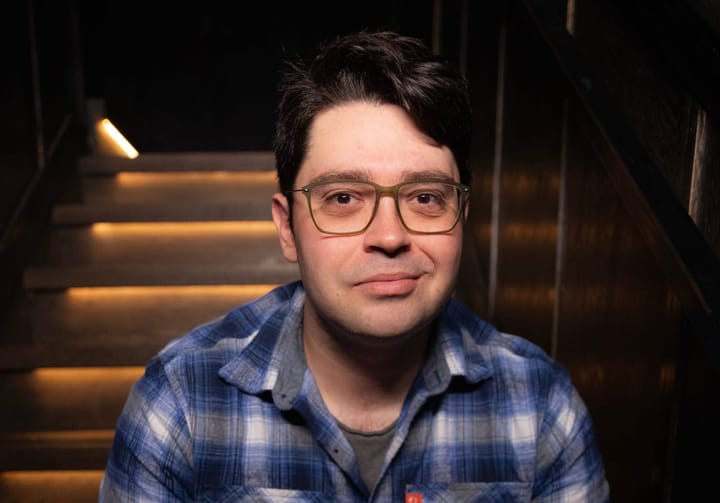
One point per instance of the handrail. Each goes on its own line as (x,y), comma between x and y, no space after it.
(38,119)
(43,154)
(683,254)
(33,182)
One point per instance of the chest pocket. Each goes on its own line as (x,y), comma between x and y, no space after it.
(474,492)
(236,494)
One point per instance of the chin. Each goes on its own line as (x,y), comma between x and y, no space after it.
(390,326)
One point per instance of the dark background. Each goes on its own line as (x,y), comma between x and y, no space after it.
(203,75)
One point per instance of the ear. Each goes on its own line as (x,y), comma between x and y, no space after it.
(281,218)
(466,211)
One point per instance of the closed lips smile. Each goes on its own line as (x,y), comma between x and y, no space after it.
(389,284)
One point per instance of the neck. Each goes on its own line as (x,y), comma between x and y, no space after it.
(363,379)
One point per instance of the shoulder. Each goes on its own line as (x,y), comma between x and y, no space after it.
(195,358)
(524,377)
(232,331)
(192,362)
(510,359)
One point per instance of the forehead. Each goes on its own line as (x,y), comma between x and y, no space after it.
(379,140)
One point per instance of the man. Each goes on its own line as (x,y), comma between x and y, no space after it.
(366,381)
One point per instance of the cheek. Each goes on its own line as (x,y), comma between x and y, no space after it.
(326,254)
(444,251)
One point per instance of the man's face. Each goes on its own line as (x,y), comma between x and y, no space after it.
(385,281)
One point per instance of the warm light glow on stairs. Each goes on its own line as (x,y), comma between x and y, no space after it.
(163,179)
(157,246)
(64,437)
(47,485)
(249,228)
(233,291)
(57,378)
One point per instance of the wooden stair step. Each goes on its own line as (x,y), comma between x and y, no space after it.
(130,315)
(163,244)
(111,326)
(180,161)
(171,197)
(26,357)
(172,254)
(56,450)
(61,486)
(189,187)
(61,277)
(160,212)
(64,399)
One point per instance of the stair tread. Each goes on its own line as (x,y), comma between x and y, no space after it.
(185,186)
(53,450)
(58,486)
(65,399)
(65,355)
(150,244)
(181,161)
(160,212)
(116,325)
(49,439)
(157,275)
(172,196)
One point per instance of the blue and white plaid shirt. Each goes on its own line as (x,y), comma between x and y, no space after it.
(230,412)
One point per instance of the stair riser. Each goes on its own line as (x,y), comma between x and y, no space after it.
(214,243)
(190,188)
(181,161)
(64,399)
(54,278)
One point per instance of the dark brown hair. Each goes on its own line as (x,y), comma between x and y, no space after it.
(380,67)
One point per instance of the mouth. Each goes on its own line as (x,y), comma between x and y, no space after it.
(389,285)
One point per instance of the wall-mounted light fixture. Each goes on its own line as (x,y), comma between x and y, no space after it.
(111,142)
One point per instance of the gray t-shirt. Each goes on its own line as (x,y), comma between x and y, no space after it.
(370,448)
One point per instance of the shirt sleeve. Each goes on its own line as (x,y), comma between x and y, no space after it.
(569,465)
(151,456)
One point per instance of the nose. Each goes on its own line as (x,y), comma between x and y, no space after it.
(386,232)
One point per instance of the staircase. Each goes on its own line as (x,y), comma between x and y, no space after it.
(155,246)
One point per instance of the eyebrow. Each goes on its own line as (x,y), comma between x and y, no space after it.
(334,176)
(428,175)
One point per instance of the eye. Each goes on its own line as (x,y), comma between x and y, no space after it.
(343,193)
(341,198)
(426,198)
(429,199)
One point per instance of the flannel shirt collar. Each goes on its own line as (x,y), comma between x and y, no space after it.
(274,361)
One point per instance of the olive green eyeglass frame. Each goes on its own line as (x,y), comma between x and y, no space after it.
(380,191)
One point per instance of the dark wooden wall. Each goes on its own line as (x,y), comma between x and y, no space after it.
(562,256)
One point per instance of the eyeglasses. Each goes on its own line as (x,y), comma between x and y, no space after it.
(349,206)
